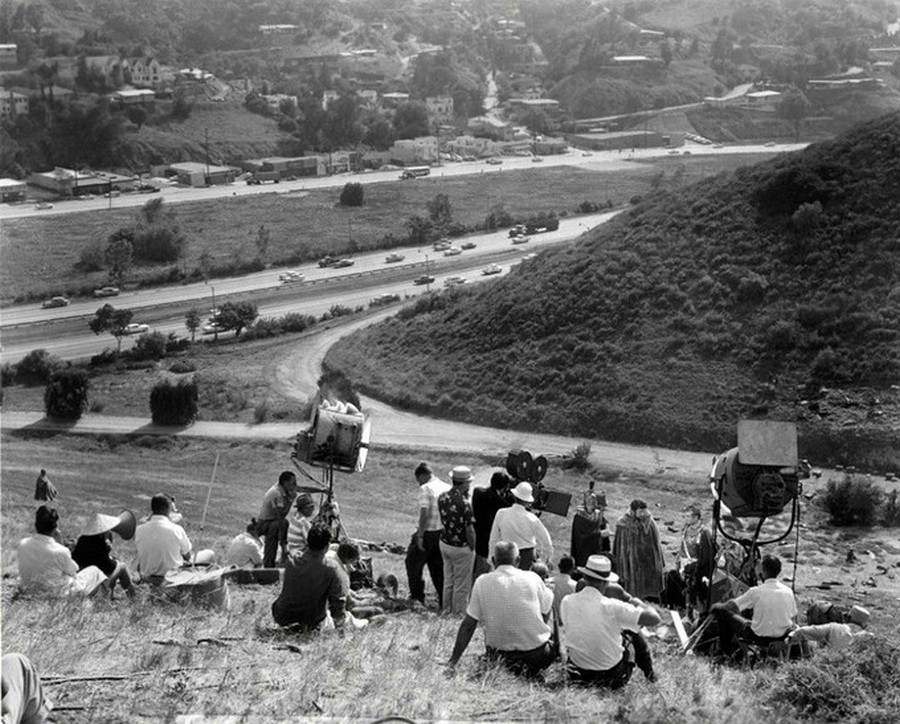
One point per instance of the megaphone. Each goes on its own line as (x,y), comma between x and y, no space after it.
(122,524)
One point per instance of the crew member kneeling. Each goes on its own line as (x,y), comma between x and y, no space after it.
(597,626)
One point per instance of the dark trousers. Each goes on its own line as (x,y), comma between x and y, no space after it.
(734,628)
(417,559)
(273,533)
(525,663)
(637,653)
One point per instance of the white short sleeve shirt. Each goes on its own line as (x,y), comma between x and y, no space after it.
(774,608)
(161,546)
(592,626)
(428,495)
(510,605)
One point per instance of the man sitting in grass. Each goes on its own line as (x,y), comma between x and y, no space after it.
(310,587)
(46,568)
(162,545)
(514,607)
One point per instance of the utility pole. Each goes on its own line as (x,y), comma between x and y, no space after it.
(207,154)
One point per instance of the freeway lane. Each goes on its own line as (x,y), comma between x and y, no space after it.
(64,331)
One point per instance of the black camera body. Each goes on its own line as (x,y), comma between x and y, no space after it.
(523,467)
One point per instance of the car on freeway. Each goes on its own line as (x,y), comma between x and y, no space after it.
(517,230)
(494,161)
(327,261)
(770,144)
(135,328)
(537,159)
(529,257)
(685,153)
(213,328)
(453,251)
(343,263)
(587,153)
(520,239)
(292,275)
(441,245)
(393,258)
(454,281)
(468,245)
(423,279)
(106,292)
(43,205)
(718,145)
(673,152)
(492,269)
(55,302)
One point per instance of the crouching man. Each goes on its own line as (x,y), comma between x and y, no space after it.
(310,585)
(602,631)
(514,607)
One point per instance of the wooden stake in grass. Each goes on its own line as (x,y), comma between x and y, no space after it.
(212,480)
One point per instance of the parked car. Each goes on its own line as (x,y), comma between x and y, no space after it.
(423,279)
(454,281)
(494,161)
(587,153)
(292,275)
(55,302)
(343,263)
(43,205)
(135,328)
(393,258)
(492,269)
(453,251)
(529,257)
(517,230)
(441,245)
(468,245)
(106,292)
(520,239)
(327,261)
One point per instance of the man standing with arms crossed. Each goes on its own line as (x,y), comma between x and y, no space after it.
(424,548)
(273,517)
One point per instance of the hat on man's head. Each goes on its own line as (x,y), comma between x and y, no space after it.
(461,474)
(523,492)
(859,616)
(599,568)
(124,524)
(304,500)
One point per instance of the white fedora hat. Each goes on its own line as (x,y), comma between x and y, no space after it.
(599,568)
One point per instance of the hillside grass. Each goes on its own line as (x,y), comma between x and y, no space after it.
(170,661)
(307,225)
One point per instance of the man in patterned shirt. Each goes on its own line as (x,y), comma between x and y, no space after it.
(457,540)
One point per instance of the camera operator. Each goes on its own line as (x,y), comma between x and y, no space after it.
(520,526)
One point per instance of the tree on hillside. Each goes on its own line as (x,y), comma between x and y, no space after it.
(420,229)
(666,54)
(192,321)
(352,194)
(794,107)
(535,120)
(137,115)
(411,120)
(263,238)
(236,316)
(66,394)
(112,320)
(119,255)
(440,211)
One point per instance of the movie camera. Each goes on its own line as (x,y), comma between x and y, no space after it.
(759,478)
(523,467)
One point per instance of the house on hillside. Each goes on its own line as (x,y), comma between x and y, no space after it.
(414,151)
(440,109)
(9,56)
(132,96)
(392,100)
(12,104)
(490,128)
(12,190)
(146,73)
(274,100)
(329,97)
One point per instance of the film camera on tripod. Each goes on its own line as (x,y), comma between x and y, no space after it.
(523,467)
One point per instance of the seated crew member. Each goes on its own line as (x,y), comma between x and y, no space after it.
(46,568)
(162,545)
(310,587)
(774,610)
(94,548)
(563,583)
(23,695)
(513,606)
(245,549)
(272,518)
(300,522)
(358,605)
(601,625)
(519,525)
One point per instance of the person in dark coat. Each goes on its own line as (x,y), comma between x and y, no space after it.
(94,548)
(485,504)
(44,490)
(638,553)
(590,531)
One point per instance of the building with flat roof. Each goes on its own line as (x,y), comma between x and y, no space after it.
(68,182)
(12,190)
(9,55)
(191,173)
(133,96)
(595,141)
(12,104)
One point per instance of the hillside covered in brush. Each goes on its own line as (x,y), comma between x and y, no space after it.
(759,292)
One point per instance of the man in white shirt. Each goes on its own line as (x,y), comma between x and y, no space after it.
(601,631)
(774,611)
(162,545)
(46,568)
(514,607)
(245,549)
(424,548)
(520,526)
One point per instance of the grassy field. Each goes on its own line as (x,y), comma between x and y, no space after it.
(166,661)
(40,256)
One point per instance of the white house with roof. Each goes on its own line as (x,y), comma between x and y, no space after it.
(12,104)
(412,151)
(146,72)
(329,97)
(9,55)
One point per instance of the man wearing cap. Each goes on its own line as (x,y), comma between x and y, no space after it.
(457,541)
(774,610)
(162,545)
(485,504)
(273,517)
(94,548)
(514,608)
(424,548)
(300,523)
(520,526)
(46,568)
(602,631)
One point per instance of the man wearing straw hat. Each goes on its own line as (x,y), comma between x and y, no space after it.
(596,628)
(520,526)
(94,548)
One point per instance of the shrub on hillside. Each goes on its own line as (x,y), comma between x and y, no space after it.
(7,374)
(853,500)
(182,366)
(890,514)
(352,194)
(174,404)
(296,322)
(107,356)
(149,346)
(577,459)
(36,367)
(65,396)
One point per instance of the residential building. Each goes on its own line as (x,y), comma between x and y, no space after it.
(133,96)
(328,97)
(368,97)
(440,109)
(392,100)
(12,190)
(12,103)
(548,146)
(467,145)
(146,73)
(490,127)
(68,182)
(8,56)
(413,151)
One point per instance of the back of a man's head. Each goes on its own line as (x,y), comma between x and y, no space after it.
(500,480)
(566,564)
(318,538)
(45,520)
(771,566)
(287,478)
(348,552)
(506,554)
(160,504)
(423,471)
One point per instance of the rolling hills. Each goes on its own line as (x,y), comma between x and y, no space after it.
(771,291)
